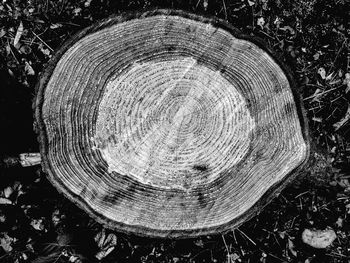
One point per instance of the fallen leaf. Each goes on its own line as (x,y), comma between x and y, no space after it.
(317,95)
(57,217)
(106,243)
(100,237)
(87,3)
(316,119)
(261,22)
(235,257)
(263,257)
(18,35)
(322,73)
(282,234)
(199,243)
(8,191)
(316,56)
(73,259)
(319,238)
(330,76)
(5,201)
(55,26)
(344,182)
(25,49)
(205,5)
(347,82)
(77,11)
(289,29)
(24,256)
(8,49)
(339,222)
(2,218)
(44,50)
(251,3)
(6,242)
(291,248)
(2,32)
(28,69)
(38,224)
(278,21)
(344,120)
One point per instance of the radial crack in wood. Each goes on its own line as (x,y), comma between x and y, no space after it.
(169,124)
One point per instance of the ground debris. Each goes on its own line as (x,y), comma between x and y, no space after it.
(6,242)
(319,238)
(343,121)
(18,35)
(106,243)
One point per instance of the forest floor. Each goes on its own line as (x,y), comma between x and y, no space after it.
(37,224)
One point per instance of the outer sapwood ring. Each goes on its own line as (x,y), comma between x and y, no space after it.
(169,124)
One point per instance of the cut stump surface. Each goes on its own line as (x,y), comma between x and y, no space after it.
(169,124)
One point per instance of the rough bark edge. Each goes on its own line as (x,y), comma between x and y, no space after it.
(139,230)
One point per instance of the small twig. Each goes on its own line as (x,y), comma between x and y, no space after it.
(266,34)
(234,236)
(301,204)
(69,23)
(272,255)
(343,198)
(62,7)
(299,195)
(225,10)
(314,108)
(253,24)
(58,257)
(334,254)
(245,235)
(200,252)
(24,41)
(13,54)
(348,57)
(197,3)
(337,98)
(292,224)
(332,113)
(223,238)
(273,234)
(313,85)
(285,199)
(336,57)
(320,94)
(42,41)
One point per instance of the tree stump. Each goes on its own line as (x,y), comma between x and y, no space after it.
(169,124)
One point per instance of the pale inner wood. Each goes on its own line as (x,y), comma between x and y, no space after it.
(172,123)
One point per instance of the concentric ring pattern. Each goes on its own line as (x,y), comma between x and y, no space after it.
(166,124)
(175,118)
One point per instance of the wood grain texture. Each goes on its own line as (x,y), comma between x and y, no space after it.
(169,124)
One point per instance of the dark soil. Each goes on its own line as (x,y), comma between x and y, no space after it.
(37,224)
